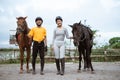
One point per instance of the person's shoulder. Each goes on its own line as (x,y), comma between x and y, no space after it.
(64,28)
(43,28)
(34,27)
(55,29)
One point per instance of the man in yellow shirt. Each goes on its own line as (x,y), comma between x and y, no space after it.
(38,35)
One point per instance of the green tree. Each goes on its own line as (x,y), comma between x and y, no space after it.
(94,36)
(115,42)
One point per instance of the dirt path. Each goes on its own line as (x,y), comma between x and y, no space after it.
(103,71)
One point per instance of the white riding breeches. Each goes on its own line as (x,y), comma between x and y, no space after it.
(59,49)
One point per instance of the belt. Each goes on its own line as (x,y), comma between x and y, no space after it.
(38,42)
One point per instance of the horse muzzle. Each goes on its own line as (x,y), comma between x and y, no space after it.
(76,43)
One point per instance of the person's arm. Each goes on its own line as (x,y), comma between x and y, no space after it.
(67,35)
(45,41)
(30,35)
(53,37)
(45,37)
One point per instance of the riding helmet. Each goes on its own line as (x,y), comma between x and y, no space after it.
(38,18)
(58,18)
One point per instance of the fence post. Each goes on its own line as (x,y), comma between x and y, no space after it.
(105,55)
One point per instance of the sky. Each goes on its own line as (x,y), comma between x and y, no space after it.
(101,15)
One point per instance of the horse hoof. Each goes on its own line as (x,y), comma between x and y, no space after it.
(28,71)
(41,73)
(79,71)
(92,72)
(33,72)
(21,72)
(88,69)
(84,70)
(31,69)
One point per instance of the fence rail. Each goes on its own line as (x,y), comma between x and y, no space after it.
(71,55)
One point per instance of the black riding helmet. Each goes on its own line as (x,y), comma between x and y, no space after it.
(58,18)
(38,18)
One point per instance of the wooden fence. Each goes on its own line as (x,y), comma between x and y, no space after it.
(71,55)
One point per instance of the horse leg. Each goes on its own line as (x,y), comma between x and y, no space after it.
(87,59)
(27,59)
(84,57)
(89,64)
(80,58)
(21,60)
(90,61)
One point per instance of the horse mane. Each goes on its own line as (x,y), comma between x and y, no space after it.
(87,29)
(25,25)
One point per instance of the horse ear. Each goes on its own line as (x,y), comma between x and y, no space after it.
(25,17)
(71,26)
(17,18)
(80,22)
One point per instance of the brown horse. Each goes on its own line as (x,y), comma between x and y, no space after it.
(23,41)
(83,39)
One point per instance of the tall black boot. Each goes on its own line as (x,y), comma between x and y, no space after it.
(42,67)
(62,66)
(33,66)
(57,66)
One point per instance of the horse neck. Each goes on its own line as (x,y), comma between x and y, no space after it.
(24,37)
(83,33)
(86,32)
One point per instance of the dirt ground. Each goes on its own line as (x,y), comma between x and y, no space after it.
(103,71)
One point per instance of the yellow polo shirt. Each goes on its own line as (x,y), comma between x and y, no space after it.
(38,33)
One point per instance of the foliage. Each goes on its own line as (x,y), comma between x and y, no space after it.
(94,35)
(8,49)
(115,42)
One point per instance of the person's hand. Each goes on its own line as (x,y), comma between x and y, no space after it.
(71,37)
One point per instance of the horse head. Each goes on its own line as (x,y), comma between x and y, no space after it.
(77,31)
(22,24)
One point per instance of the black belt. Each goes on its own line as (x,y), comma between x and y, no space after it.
(38,41)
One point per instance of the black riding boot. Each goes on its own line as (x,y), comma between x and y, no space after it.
(33,66)
(62,66)
(42,67)
(57,66)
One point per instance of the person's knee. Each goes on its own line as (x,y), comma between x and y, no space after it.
(42,56)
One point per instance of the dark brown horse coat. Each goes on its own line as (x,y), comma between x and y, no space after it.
(83,39)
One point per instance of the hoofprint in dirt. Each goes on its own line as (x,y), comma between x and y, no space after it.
(103,71)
